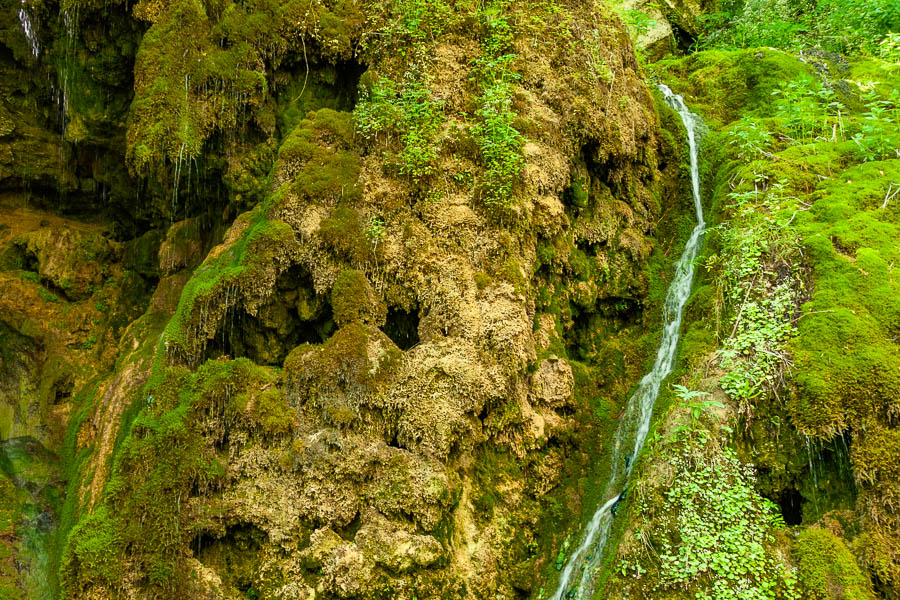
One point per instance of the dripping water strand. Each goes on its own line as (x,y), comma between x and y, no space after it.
(29,28)
(177,179)
(70,22)
(577,577)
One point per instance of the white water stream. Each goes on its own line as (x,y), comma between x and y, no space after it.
(577,577)
(28,28)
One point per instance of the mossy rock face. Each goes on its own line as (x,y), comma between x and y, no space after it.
(803,209)
(723,85)
(340,380)
(318,157)
(7,125)
(827,569)
(353,300)
(282,442)
(71,261)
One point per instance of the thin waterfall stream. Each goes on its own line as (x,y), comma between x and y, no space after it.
(577,577)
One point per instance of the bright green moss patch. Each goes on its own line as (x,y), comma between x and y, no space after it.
(848,357)
(827,569)
(265,412)
(724,85)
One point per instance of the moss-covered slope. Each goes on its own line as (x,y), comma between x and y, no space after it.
(793,333)
(395,264)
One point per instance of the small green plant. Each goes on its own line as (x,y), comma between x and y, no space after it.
(723,531)
(751,138)
(690,400)
(877,138)
(405,110)
(809,109)
(498,140)
(30,276)
(375,230)
(640,22)
(47,296)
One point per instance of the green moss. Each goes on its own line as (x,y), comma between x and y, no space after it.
(164,456)
(827,569)
(576,194)
(353,300)
(845,351)
(10,514)
(725,85)
(319,160)
(336,379)
(250,181)
(482,280)
(261,251)
(801,196)
(266,412)
(343,231)
(94,555)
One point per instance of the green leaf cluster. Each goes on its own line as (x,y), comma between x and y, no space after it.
(499,142)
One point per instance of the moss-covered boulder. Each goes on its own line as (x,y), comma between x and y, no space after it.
(827,569)
(353,300)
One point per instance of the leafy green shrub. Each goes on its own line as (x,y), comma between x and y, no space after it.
(407,110)
(751,138)
(848,26)
(809,109)
(877,138)
(498,140)
(724,529)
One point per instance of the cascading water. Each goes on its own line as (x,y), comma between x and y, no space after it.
(577,578)
(29,29)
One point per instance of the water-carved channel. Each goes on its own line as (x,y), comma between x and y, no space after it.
(577,577)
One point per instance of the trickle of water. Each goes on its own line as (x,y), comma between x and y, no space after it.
(577,578)
(812,471)
(29,28)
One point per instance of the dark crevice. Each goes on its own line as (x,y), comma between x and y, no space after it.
(349,531)
(63,388)
(790,501)
(590,248)
(18,257)
(684,41)
(302,86)
(294,315)
(402,327)
(234,556)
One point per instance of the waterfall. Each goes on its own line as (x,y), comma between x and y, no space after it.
(577,578)
(29,29)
